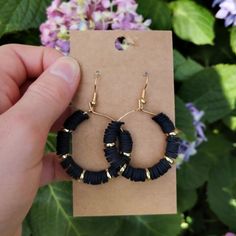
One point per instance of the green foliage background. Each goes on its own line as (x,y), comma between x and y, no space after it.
(205,74)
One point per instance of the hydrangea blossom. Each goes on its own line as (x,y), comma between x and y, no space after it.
(85,15)
(230,234)
(188,149)
(227,11)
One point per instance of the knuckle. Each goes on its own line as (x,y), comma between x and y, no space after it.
(9,89)
(48,93)
(48,51)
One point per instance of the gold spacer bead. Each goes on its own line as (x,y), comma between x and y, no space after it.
(170,160)
(122,169)
(110,144)
(143,101)
(127,154)
(65,156)
(172,133)
(82,175)
(108,174)
(148,175)
(66,130)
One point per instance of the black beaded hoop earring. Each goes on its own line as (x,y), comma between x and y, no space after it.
(64,138)
(73,169)
(158,169)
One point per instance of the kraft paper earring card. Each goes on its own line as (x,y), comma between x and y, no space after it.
(123,57)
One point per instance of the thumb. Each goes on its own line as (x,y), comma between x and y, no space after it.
(47,98)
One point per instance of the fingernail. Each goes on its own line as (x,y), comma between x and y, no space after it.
(66,68)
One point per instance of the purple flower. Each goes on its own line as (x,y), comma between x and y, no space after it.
(227,11)
(230,234)
(85,15)
(188,149)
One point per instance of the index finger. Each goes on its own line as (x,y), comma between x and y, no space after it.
(19,62)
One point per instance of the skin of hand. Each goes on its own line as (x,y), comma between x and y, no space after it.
(36,87)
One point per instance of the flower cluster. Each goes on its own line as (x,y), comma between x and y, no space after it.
(230,234)
(188,149)
(227,11)
(88,14)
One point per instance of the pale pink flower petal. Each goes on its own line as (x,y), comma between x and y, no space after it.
(88,14)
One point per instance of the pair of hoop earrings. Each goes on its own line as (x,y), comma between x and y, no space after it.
(118,145)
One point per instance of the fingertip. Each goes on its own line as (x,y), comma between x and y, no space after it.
(68,69)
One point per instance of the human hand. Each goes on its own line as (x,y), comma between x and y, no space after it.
(29,109)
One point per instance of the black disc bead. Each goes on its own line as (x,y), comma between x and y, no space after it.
(74,171)
(154,174)
(63,142)
(75,119)
(125,142)
(114,172)
(65,163)
(134,174)
(172,147)
(95,177)
(165,123)
(112,154)
(112,132)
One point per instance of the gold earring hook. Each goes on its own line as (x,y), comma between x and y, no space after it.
(93,103)
(142,100)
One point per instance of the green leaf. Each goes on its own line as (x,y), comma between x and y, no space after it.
(222,191)
(220,53)
(212,90)
(186,198)
(163,225)
(217,146)
(233,39)
(194,173)
(184,120)
(26,231)
(230,121)
(16,15)
(51,143)
(192,22)
(51,215)
(158,11)
(179,59)
(185,68)
(29,37)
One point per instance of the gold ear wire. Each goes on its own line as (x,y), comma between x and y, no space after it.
(93,103)
(142,100)
(146,75)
